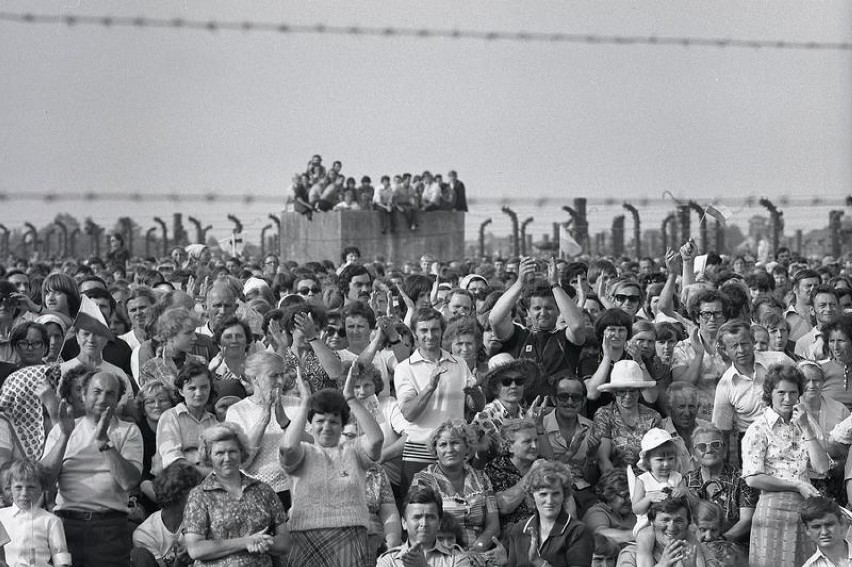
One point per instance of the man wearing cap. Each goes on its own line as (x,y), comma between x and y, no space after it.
(97,460)
(554,349)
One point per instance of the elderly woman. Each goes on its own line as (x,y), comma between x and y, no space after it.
(682,420)
(613,516)
(779,448)
(31,390)
(234,339)
(505,386)
(551,536)
(463,338)
(619,426)
(673,544)
(568,436)
(231,518)
(320,366)
(466,493)
(716,481)
(179,428)
(263,416)
(176,338)
(330,516)
(506,472)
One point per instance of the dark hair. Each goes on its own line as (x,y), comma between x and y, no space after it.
(760,281)
(229,322)
(612,484)
(349,272)
(328,401)
(449,525)
(816,507)
(708,296)
(604,546)
(843,324)
(175,481)
(190,370)
(804,275)
(731,328)
(359,309)
(20,331)
(764,299)
(350,249)
(613,317)
(427,314)
(271,315)
(529,370)
(666,331)
(781,373)
(87,379)
(101,293)
(289,319)
(25,469)
(823,289)
(66,383)
(600,267)
(365,371)
(462,326)
(669,506)
(63,283)
(423,495)
(415,285)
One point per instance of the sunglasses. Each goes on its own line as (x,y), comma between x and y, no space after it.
(515,381)
(715,445)
(565,398)
(307,290)
(331,330)
(621,298)
(30,344)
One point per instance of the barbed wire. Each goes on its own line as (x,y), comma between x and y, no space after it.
(73,20)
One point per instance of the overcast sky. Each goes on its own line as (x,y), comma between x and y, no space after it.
(94,109)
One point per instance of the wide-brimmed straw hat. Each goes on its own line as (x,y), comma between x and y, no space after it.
(626,375)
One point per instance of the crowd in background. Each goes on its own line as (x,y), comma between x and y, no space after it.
(209,410)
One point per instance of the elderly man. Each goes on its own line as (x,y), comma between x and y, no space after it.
(97,460)
(423,510)
(221,303)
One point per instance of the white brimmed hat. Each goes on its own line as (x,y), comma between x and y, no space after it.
(626,375)
(650,441)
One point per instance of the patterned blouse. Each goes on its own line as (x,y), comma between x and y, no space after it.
(712,368)
(312,371)
(625,439)
(20,403)
(213,513)
(504,475)
(728,490)
(776,448)
(470,508)
(158,368)
(494,414)
(378,492)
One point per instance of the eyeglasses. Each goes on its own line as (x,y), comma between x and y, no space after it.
(30,344)
(707,315)
(565,398)
(331,330)
(157,402)
(307,290)
(715,445)
(621,298)
(516,381)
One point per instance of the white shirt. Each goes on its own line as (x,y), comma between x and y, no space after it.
(810,346)
(37,537)
(739,398)
(153,535)
(820,560)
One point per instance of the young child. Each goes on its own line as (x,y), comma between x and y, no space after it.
(826,526)
(709,524)
(37,535)
(659,458)
(605,553)
(450,533)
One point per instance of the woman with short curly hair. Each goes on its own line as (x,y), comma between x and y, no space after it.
(467,493)
(550,536)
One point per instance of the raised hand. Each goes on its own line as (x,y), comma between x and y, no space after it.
(526,268)
(695,342)
(409,304)
(66,418)
(688,251)
(302,385)
(674,263)
(436,375)
(536,412)
(498,554)
(277,334)
(552,273)
(351,378)
(414,557)
(102,429)
(305,323)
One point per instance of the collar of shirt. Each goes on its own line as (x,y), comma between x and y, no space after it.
(212,482)
(445,357)
(558,528)
(552,425)
(438,548)
(181,408)
(773,419)
(819,554)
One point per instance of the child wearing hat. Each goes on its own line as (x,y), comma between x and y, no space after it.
(658,458)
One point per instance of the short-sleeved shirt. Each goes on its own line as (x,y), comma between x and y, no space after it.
(625,439)
(86,482)
(775,448)
(837,385)
(470,508)
(560,445)
(551,349)
(212,512)
(728,490)
(379,492)
(739,398)
(438,556)
(447,401)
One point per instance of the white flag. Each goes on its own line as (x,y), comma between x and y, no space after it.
(719,212)
(567,245)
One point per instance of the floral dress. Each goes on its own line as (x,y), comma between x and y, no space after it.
(625,439)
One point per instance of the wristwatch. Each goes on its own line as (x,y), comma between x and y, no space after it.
(106,446)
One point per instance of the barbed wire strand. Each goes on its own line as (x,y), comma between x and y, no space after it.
(73,20)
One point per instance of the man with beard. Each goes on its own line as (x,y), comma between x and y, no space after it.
(739,393)
(97,460)
(554,349)
(355,283)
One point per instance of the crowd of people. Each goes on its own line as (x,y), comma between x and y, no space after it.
(405,195)
(196,410)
